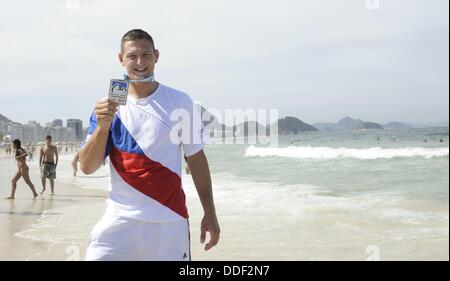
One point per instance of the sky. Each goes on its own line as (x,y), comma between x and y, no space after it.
(318,60)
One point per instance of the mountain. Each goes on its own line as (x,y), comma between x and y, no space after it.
(347,124)
(368,126)
(249,128)
(212,125)
(325,126)
(288,125)
(291,125)
(4,119)
(396,125)
(207,116)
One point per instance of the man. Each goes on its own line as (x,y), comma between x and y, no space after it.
(75,160)
(48,160)
(30,152)
(8,150)
(146,217)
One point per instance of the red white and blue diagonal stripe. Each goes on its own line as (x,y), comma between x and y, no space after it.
(145,168)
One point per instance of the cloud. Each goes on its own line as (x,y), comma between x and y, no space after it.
(299,56)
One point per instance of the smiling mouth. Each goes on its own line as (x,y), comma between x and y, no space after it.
(141,70)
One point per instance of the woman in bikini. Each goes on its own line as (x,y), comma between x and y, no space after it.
(22,171)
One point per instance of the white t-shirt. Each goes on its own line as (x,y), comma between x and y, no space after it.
(144,149)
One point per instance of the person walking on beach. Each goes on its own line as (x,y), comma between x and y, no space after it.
(48,161)
(147,218)
(30,152)
(75,164)
(33,149)
(22,170)
(8,151)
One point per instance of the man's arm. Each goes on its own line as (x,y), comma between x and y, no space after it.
(41,156)
(93,152)
(56,156)
(198,165)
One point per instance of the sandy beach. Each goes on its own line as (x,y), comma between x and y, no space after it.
(53,227)
(57,227)
(269,207)
(27,233)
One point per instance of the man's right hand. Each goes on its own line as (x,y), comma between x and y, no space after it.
(93,152)
(105,110)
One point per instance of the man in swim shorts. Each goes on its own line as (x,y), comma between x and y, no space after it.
(48,161)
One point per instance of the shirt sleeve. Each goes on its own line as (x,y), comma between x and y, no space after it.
(192,123)
(91,129)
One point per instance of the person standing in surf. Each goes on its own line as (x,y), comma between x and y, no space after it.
(22,171)
(48,161)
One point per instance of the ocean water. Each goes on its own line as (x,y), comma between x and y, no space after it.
(348,195)
(386,190)
(396,162)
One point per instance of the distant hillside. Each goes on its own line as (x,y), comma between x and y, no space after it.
(292,125)
(249,128)
(396,125)
(325,126)
(4,119)
(368,126)
(288,125)
(212,124)
(347,124)
(207,117)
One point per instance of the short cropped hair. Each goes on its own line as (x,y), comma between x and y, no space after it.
(136,34)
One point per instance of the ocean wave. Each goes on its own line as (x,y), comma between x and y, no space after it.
(310,152)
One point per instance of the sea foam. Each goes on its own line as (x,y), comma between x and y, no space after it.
(310,152)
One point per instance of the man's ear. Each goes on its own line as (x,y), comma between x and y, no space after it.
(120,58)
(156,55)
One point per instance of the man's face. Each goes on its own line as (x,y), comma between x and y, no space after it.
(139,58)
(48,141)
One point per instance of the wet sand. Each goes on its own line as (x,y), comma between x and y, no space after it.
(22,213)
(255,225)
(57,227)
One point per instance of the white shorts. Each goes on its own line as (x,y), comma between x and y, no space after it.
(124,239)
